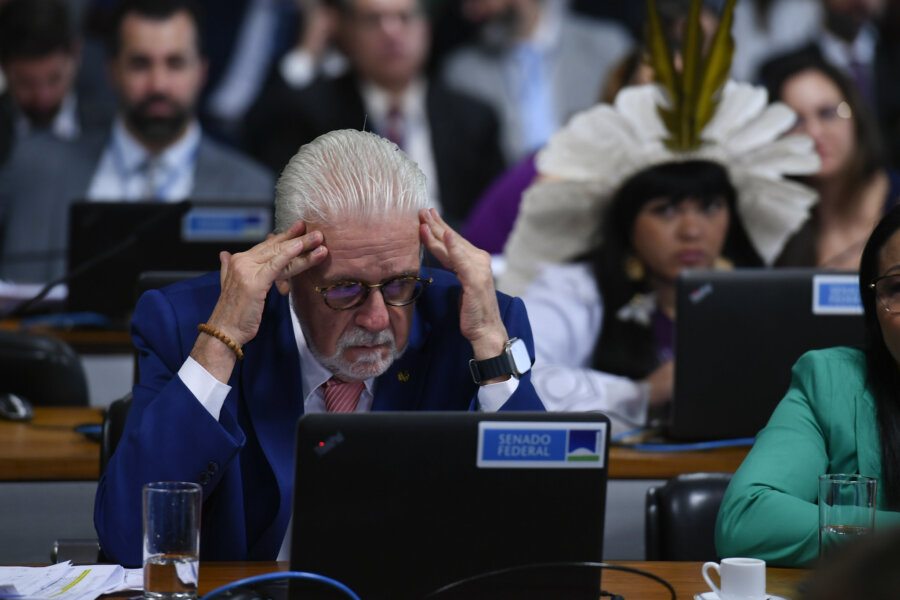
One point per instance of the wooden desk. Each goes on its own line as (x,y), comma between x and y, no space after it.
(86,341)
(683,576)
(625,463)
(47,448)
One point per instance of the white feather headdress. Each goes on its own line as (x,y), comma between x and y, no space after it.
(688,116)
(600,148)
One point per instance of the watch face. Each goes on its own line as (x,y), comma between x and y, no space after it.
(519,354)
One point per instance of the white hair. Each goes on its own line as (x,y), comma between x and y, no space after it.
(348,174)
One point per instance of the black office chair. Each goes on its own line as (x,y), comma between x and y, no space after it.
(88,550)
(41,369)
(680,518)
(113,425)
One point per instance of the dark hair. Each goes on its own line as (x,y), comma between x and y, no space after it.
(883,372)
(627,348)
(157,10)
(34,29)
(869,155)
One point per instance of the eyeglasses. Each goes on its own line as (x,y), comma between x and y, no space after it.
(887,292)
(399,291)
(826,115)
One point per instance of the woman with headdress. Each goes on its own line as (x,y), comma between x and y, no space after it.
(675,180)
(855,189)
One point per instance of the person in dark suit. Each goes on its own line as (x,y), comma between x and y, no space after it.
(155,149)
(451,136)
(334,313)
(39,57)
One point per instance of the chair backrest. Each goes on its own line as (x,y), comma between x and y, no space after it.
(680,518)
(41,369)
(113,425)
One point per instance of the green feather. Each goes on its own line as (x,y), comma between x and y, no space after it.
(693,93)
(716,68)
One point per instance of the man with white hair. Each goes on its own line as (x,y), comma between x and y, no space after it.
(334,312)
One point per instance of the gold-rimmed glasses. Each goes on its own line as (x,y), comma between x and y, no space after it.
(397,291)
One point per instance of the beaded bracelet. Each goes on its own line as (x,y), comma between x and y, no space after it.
(235,347)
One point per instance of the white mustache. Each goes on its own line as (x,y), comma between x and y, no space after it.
(362,337)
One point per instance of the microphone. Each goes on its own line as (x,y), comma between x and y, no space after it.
(177,210)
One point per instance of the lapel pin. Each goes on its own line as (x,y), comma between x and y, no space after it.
(403,376)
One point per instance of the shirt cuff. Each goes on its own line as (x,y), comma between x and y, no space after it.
(208,390)
(494,395)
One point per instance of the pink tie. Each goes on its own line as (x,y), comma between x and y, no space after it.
(342,397)
(394,129)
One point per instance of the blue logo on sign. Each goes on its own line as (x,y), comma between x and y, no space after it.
(583,445)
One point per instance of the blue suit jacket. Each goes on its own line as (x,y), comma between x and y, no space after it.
(245,460)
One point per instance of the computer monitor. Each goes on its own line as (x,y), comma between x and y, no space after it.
(111,243)
(737,335)
(396,505)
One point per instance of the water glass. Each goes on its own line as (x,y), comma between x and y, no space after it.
(171,540)
(846,508)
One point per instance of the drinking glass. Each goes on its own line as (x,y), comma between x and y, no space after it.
(171,540)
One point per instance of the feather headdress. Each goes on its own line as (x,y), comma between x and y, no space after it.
(692,115)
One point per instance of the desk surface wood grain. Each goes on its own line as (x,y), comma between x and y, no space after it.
(683,576)
(48,449)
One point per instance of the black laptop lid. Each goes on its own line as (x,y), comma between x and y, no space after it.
(737,335)
(396,505)
(116,241)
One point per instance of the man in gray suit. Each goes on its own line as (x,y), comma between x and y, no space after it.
(155,149)
(536,64)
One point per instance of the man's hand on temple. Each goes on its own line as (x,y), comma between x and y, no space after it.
(479,314)
(246,279)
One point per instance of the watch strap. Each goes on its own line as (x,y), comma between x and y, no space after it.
(490,368)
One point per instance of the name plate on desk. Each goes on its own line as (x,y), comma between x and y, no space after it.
(226,223)
(528,445)
(836,295)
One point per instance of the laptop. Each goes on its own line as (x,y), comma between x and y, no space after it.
(111,243)
(737,335)
(397,505)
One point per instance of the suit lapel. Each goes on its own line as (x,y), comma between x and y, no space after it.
(402,387)
(271,387)
(867,449)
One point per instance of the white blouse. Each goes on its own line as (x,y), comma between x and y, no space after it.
(566,313)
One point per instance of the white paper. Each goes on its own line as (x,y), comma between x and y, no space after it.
(64,581)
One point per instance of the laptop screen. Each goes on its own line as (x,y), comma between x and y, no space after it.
(737,335)
(111,243)
(396,505)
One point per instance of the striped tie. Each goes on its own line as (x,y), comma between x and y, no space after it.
(341,397)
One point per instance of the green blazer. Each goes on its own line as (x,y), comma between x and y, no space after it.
(825,424)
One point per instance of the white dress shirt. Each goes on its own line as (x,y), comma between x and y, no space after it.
(566,311)
(65,124)
(120,173)
(416,131)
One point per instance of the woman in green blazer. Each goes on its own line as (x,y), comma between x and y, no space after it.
(841,414)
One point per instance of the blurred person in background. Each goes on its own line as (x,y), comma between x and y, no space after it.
(627,199)
(155,149)
(536,63)
(39,56)
(855,188)
(451,136)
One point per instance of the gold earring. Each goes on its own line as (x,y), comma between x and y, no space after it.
(634,268)
(722,264)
